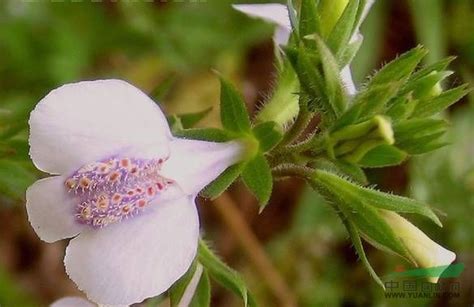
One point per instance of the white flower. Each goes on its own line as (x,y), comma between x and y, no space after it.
(124,188)
(278,14)
(425,252)
(72,301)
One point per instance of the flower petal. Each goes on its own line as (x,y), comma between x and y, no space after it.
(346,77)
(271,12)
(51,210)
(194,164)
(72,301)
(87,121)
(127,262)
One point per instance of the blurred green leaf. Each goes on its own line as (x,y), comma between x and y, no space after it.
(223,274)
(15,178)
(382,156)
(257,176)
(234,115)
(437,104)
(342,31)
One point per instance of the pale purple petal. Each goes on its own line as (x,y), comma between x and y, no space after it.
(51,210)
(84,122)
(271,12)
(135,259)
(194,164)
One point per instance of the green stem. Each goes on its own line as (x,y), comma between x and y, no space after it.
(289,169)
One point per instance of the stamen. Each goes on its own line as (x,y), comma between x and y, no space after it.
(109,191)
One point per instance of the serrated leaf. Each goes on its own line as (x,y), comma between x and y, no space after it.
(268,134)
(257,176)
(234,115)
(223,274)
(342,31)
(382,156)
(205,134)
(437,104)
(376,198)
(221,183)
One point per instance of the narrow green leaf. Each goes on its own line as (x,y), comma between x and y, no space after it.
(424,85)
(347,55)
(205,134)
(435,67)
(376,198)
(268,134)
(257,176)
(414,128)
(437,104)
(422,144)
(355,238)
(400,68)
(177,290)
(342,31)
(223,274)
(309,18)
(335,91)
(368,103)
(202,296)
(382,156)
(234,115)
(175,123)
(221,183)
(188,120)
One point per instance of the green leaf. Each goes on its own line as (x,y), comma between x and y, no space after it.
(14,179)
(234,114)
(334,88)
(188,120)
(382,156)
(177,290)
(355,238)
(435,67)
(399,69)
(423,86)
(202,296)
(257,176)
(419,127)
(222,274)
(347,55)
(221,183)
(375,198)
(437,104)
(423,144)
(268,134)
(205,134)
(367,103)
(342,31)
(309,19)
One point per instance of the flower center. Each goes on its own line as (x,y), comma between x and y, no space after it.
(110,190)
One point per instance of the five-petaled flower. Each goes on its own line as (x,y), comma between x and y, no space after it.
(123,187)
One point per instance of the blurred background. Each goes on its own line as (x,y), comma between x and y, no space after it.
(168,48)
